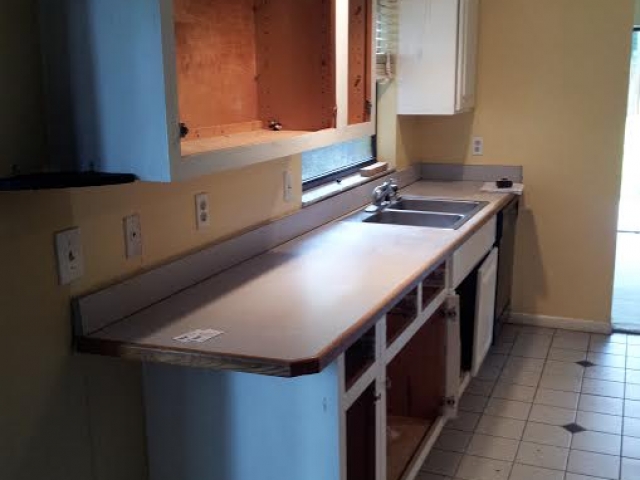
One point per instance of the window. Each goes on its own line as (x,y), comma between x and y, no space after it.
(336,161)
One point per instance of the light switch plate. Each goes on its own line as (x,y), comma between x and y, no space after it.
(203,217)
(133,236)
(69,255)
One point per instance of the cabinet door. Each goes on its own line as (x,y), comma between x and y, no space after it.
(467,54)
(453,355)
(485,309)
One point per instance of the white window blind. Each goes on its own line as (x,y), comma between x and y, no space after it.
(386,39)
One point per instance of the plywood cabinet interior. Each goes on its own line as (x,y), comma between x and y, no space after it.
(437,56)
(172,89)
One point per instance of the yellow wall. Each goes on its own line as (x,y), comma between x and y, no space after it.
(552,93)
(637,21)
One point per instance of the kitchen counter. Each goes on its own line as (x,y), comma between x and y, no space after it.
(292,310)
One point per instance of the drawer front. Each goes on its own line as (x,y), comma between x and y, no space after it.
(469,255)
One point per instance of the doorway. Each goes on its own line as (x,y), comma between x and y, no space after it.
(625,312)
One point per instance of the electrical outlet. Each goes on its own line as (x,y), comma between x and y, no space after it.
(69,256)
(203,218)
(133,236)
(478,146)
(288,186)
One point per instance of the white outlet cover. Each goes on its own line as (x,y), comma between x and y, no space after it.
(203,217)
(69,255)
(288,186)
(133,236)
(478,146)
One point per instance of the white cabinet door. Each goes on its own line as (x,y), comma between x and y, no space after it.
(485,308)
(467,54)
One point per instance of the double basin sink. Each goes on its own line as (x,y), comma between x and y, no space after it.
(424,212)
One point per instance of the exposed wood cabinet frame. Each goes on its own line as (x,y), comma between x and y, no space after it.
(112,88)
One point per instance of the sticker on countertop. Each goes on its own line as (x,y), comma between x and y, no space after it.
(198,336)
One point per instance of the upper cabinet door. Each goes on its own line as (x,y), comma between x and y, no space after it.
(437,56)
(173,89)
(467,55)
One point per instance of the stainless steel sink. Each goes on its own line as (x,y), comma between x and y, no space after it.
(417,204)
(423,212)
(416,219)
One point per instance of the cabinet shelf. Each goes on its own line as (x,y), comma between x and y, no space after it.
(404,437)
(223,142)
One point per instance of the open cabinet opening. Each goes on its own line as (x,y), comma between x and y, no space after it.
(253,71)
(415,392)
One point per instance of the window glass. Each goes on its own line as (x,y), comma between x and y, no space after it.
(335,159)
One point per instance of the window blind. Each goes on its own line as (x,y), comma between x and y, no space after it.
(386,39)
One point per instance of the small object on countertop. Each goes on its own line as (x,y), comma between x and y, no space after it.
(516,188)
(504,183)
(275,125)
(374,169)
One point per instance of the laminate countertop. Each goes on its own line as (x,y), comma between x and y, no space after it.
(292,310)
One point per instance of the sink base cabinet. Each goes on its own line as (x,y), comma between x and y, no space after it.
(373,414)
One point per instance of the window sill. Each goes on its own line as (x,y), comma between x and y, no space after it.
(334,188)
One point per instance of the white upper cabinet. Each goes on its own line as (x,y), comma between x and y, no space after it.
(437,56)
(173,89)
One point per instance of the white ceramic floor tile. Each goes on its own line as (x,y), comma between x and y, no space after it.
(604,388)
(528,472)
(606,360)
(632,408)
(466,421)
(498,448)
(527,339)
(562,355)
(472,403)
(453,440)
(488,373)
(580,344)
(608,347)
(597,442)
(512,391)
(632,391)
(572,335)
(480,387)
(611,338)
(525,364)
(556,398)
(563,368)
(501,427)
(547,435)
(509,333)
(600,422)
(633,363)
(508,408)
(597,464)
(545,456)
(528,329)
(633,376)
(633,339)
(478,468)
(520,377)
(633,350)
(560,382)
(430,476)
(630,469)
(605,373)
(441,462)
(495,360)
(552,415)
(503,347)
(631,447)
(575,476)
(631,427)
(594,403)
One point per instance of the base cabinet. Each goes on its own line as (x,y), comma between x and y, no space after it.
(373,414)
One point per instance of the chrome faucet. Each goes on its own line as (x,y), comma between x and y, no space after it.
(383,195)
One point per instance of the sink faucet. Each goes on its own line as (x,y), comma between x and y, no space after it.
(383,195)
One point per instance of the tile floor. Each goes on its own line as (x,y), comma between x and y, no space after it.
(547,405)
